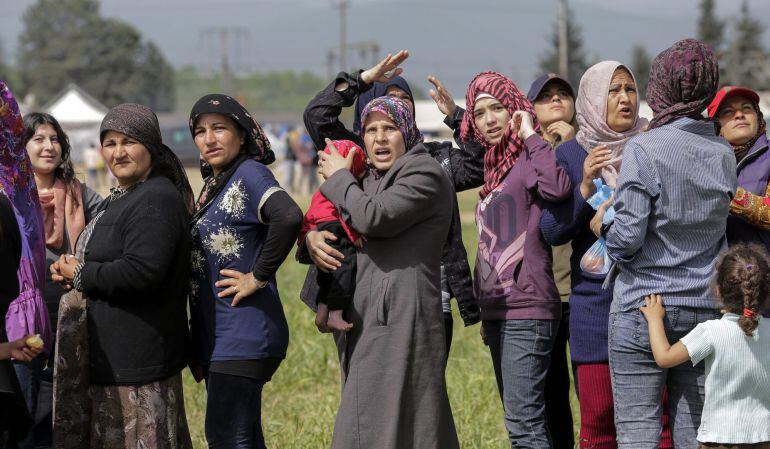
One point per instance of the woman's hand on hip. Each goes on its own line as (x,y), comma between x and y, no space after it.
(239,284)
(321,253)
(386,69)
(328,164)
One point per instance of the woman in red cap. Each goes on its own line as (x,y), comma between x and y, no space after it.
(743,125)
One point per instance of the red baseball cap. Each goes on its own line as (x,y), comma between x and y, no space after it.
(729,92)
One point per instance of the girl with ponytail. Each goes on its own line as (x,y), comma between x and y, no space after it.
(736,409)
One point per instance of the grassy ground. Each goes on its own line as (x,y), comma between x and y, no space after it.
(300,403)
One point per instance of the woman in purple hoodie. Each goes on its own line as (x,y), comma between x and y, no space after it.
(520,305)
(743,125)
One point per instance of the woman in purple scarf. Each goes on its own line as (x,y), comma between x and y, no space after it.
(27,314)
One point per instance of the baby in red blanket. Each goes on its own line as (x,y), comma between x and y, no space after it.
(336,288)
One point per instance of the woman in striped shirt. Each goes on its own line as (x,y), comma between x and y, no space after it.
(672,201)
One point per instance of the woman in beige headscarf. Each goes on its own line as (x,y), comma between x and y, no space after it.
(607,114)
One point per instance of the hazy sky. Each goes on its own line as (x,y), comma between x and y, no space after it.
(453,39)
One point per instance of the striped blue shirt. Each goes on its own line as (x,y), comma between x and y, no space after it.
(671,204)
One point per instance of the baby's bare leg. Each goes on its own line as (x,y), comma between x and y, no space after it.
(321,317)
(338,323)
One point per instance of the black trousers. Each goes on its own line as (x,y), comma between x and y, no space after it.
(557,406)
(336,288)
(234,412)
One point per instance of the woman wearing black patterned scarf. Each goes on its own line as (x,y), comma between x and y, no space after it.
(243,227)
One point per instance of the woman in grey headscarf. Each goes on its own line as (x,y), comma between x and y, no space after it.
(123,328)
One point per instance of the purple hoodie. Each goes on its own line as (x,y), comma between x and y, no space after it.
(753,176)
(508,284)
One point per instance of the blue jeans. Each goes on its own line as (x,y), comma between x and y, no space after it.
(521,354)
(637,381)
(234,412)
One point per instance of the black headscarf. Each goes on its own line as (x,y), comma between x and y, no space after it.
(378,90)
(256,146)
(140,122)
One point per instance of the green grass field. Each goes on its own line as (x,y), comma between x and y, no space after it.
(300,403)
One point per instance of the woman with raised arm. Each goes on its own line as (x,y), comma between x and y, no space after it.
(464,166)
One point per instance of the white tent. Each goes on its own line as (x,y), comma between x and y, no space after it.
(430,121)
(80,115)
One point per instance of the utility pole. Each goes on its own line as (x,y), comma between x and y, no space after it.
(342,5)
(563,46)
(230,40)
(363,53)
(227,75)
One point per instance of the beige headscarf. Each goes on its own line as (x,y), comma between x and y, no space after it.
(591,109)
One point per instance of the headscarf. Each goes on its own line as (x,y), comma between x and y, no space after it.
(742,150)
(257,146)
(377,90)
(27,313)
(591,109)
(499,158)
(140,122)
(683,80)
(400,113)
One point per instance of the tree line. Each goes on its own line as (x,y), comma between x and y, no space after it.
(112,61)
(743,60)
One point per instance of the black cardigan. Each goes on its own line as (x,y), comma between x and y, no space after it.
(136,276)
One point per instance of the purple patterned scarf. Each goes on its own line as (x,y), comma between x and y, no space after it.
(683,80)
(400,113)
(27,314)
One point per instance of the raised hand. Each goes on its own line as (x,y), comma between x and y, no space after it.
(386,69)
(522,124)
(442,97)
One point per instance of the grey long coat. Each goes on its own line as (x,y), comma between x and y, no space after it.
(394,391)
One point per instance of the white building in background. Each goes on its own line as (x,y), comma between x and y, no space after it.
(80,115)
